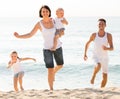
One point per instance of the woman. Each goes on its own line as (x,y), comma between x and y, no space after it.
(47,27)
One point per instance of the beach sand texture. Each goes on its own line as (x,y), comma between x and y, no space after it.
(84,93)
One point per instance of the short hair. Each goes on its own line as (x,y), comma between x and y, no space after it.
(102,20)
(59,9)
(46,7)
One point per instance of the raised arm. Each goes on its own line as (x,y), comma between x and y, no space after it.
(92,37)
(28,35)
(64,21)
(27,58)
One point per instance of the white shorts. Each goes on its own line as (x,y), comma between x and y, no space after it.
(103,62)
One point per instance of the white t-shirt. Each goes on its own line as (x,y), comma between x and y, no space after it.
(17,67)
(58,23)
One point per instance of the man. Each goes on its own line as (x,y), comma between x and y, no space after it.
(102,43)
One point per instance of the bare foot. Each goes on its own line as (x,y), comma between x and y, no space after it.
(21,88)
(92,81)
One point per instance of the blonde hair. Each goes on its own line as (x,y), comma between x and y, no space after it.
(60,9)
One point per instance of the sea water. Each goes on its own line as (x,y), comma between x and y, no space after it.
(76,72)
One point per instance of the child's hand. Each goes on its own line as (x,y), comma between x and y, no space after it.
(64,21)
(34,59)
(9,64)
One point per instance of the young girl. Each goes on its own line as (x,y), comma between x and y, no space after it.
(18,71)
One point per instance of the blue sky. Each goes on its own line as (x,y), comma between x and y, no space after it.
(30,8)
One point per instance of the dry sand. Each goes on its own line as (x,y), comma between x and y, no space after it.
(83,93)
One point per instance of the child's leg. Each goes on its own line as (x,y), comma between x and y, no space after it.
(55,42)
(61,33)
(16,83)
(20,80)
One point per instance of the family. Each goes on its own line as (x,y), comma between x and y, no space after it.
(52,30)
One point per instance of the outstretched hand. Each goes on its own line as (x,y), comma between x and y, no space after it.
(34,60)
(16,34)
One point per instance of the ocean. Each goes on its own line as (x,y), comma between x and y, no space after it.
(76,72)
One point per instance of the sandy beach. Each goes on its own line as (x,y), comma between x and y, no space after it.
(83,93)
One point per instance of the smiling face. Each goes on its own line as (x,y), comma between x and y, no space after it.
(101,25)
(60,13)
(45,12)
(14,56)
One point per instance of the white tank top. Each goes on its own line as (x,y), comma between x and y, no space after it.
(17,67)
(98,43)
(48,35)
(58,23)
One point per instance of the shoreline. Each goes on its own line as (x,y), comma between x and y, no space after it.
(80,93)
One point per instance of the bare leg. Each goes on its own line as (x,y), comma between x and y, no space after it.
(104,81)
(96,70)
(56,69)
(50,77)
(20,81)
(61,33)
(16,83)
(55,43)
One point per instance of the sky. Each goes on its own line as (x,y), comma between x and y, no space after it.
(30,8)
